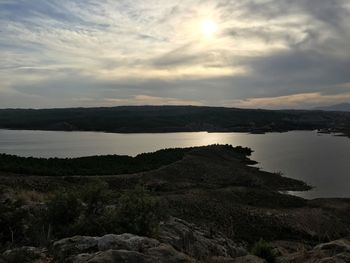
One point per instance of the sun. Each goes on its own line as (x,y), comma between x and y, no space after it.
(209,28)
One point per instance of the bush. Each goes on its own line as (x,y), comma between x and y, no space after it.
(95,196)
(92,211)
(262,249)
(97,225)
(139,213)
(12,222)
(96,218)
(62,211)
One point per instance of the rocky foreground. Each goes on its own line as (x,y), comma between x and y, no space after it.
(178,242)
(218,207)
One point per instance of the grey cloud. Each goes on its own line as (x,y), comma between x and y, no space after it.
(315,56)
(331,12)
(179,56)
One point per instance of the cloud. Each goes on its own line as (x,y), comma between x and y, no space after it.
(304,100)
(55,52)
(151,100)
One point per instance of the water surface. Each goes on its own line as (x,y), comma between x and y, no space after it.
(320,160)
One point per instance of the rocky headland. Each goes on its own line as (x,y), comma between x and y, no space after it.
(216,206)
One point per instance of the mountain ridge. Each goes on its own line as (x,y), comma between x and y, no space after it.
(336,107)
(161,119)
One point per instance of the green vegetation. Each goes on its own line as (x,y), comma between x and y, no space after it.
(97,165)
(211,185)
(262,249)
(139,213)
(94,210)
(94,165)
(12,222)
(171,119)
(62,212)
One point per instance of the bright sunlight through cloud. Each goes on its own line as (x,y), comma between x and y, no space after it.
(64,53)
(209,28)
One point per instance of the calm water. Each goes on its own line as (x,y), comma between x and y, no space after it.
(320,160)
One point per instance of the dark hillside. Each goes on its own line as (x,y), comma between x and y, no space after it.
(145,119)
(214,187)
(94,165)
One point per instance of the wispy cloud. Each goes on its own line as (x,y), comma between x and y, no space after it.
(57,51)
(143,100)
(295,101)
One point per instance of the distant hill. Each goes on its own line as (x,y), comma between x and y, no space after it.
(150,119)
(337,107)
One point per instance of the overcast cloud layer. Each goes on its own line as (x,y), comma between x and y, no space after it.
(266,53)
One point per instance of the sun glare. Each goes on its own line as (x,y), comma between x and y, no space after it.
(209,28)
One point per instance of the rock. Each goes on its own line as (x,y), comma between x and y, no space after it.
(161,254)
(26,254)
(244,259)
(335,247)
(114,256)
(127,242)
(116,248)
(195,242)
(74,245)
(337,251)
(80,244)
(82,257)
(283,248)
(248,259)
(167,254)
(179,242)
(340,258)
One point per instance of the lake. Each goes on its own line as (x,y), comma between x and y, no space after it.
(321,160)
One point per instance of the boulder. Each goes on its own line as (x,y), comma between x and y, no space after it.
(283,248)
(116,248)
(244,259)
(335,247)
(113,256)
(196,242)
(82,244)
(178,242)
(337,251)
(167,254)
(127,242)
(74,245)
(248,259)
(161,254)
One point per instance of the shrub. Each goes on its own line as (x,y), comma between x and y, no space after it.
(95,195)
(12,219)
(62,211)
(90,211)
(95,218)
(97,225)
(139,212)
(263,250)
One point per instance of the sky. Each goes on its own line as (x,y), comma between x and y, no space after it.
(236,53)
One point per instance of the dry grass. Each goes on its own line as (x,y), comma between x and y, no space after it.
(31,196)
